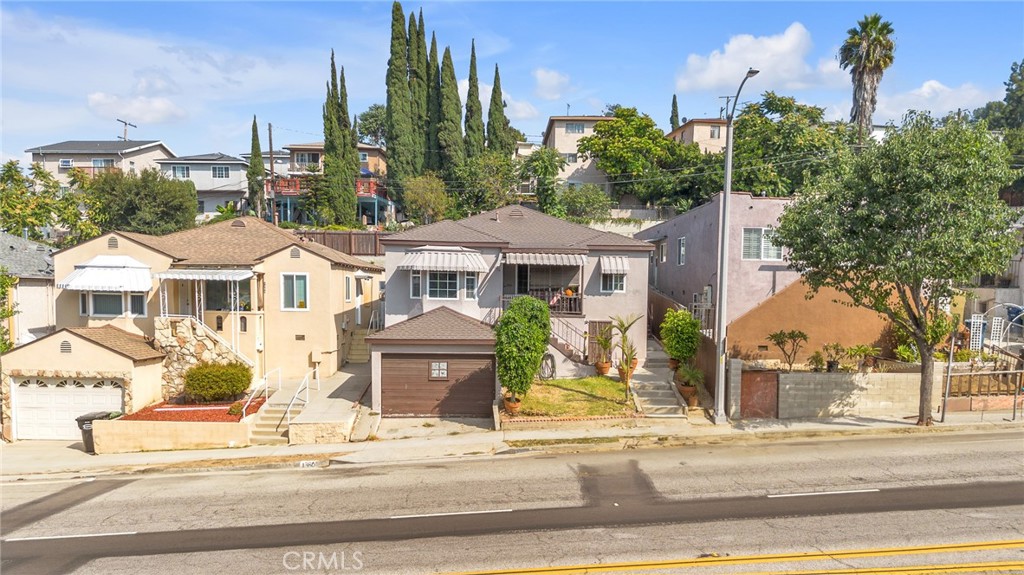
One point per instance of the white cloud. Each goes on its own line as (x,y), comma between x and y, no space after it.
(149,110)
(781,57)
(551,84)
(935,97)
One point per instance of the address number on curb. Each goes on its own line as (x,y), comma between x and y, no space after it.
(308,463)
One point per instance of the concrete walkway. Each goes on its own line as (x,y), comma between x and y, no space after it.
(652,386)
(329,409)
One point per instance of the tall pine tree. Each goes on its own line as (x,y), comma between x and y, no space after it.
(674,120)
(327,206)
(349,158)
(255,173)
(499,133)
(449,128)
(417,102)
(421,97)
(399,108)
(433,156)
(474,110)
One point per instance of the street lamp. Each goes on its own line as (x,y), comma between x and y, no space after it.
(719,416)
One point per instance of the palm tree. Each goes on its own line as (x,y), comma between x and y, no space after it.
(868,52)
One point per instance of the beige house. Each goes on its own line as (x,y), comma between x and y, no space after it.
(563,133)
(301,156)
(31,265)
(708,133)
(95,156)
(220,180)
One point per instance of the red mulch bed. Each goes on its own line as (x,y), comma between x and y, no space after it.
(196,412)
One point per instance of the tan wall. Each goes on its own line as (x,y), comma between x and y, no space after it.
(809,395)
(85,356)
(67,300)
(35,318)
(248,341)
(146,385)
(118,436)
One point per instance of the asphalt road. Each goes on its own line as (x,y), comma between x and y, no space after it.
(339,519)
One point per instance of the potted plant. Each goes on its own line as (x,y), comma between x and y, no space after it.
(603,338)
(689,377)
(833,353)
(622,325)
(816,362)
(680,335)
(864,355)
(521,338)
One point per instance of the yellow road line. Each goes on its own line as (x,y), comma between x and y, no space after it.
(741,559)
(990,567)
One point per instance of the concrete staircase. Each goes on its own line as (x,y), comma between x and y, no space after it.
(271,425)
(359,350)
(652,386)
(567,350)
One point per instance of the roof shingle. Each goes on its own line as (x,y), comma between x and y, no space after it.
(440,325)
(130,345)
(25,258)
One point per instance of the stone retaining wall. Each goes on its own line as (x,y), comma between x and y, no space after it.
(186,343)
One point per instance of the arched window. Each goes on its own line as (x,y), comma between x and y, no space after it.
(220,323)
(243,324)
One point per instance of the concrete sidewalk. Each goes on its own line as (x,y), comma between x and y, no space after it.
(434,439)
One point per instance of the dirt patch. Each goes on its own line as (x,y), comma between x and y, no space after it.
(200,413)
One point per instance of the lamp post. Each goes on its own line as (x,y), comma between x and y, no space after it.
(719,416)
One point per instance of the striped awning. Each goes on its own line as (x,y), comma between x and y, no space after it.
(541,259)
(614,264)
(205,275)
(443,260)
(109,273)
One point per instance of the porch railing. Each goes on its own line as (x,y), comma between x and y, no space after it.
(302,393)
(569,335)
(558,302)
(263,388)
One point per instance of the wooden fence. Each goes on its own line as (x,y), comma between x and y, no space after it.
(349,242)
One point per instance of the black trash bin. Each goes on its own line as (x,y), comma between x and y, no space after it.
(85,424)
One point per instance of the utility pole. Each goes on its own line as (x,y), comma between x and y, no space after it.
(126,124)
(722,111)
(273,183)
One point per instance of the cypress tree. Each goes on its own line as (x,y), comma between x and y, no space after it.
(327,205)
(417,102)
(422,96)
(499,133)
(474,110)
(674,120)
(433,158)
(254,174)
(349,159)
(449,127)
(399,113)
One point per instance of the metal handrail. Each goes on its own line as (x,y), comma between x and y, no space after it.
(372,324)
(303,388)
(568,334)
(265,385)
(214,336)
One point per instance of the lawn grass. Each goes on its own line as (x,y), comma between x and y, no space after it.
(589,396)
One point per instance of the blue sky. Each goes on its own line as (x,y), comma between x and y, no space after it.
(193,74)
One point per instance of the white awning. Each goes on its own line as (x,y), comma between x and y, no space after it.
(109,273)
(443,259)
(539,259)
(363,275)
(205,275)
(614,264)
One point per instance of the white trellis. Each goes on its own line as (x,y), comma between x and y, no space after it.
(977,331)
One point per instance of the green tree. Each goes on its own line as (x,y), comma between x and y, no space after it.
(451,148)
(499,134)
(432,161)
(487,181)
(417,95)
(255,173)
(673,120)
(7,308)
(426,200)
(147,202)
(627,148)
(868,52)
(1008,113)
(373,126)
(421,96)
(899,226)
(36,202)
(543,167)
(338,204)
(521,338)
(350,157)
(475,144)
(400,129)
(680,334)
(587,202)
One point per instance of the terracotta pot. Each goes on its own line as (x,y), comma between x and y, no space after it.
(673,364)
(512,407)
(633,364)
(687,391)
(693,400)
(624,375)
(603,367)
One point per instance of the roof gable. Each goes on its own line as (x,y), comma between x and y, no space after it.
(97,147)
(132,346)
(440,325)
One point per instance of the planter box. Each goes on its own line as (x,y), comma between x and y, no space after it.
(119,436)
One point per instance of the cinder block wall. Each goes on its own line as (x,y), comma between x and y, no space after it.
(809,395)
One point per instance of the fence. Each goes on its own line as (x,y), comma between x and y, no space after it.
(349,242)
(984,383)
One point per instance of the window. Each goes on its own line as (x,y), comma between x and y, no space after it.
(243,324)
(218,294)
(757,245)
(83,303)
(66,163)
(681,257)
(107,304)
(348,288)
(201,207)
(131,167)
(661,252)
(137,303)
(439,370)
(294,292)
(101,163)
(63,190)
(180,172)
(364,157)
(443,285)
(716,132)
(219,323)
(415,285)
(574,127)
(613,283)
(220,171)
(471,278)
(570,158)
(303,158)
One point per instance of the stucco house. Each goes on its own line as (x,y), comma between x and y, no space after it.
(220,180)
(474,267)
(31,265)
(95,156)
(764,294)
(708,133)
(563,133)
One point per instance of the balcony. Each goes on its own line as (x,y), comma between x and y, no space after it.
(286,186)
(559,304)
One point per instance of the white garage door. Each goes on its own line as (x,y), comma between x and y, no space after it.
(47,408)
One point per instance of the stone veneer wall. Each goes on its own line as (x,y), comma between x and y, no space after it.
(186,343)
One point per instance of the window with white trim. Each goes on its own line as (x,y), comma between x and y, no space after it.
(294,292)
(681,255)
(571,158)
(716,132)
(304,158)
(112,304)
(443,285)
(106,304)
(574,127)
(471,279)
(180,172)
(363,157)
(415,284)
(661,252)
(100,163)
(66,163)
(439,370)
(220,171)
(348,288)
(613,283)
(757,245)
(137,304)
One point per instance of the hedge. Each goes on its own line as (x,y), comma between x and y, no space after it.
(216,382)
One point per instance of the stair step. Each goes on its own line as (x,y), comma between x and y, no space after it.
(664,411)
(268,440)
(656,393)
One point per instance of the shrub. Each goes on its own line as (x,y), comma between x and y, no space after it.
(236,408)
(521,338)
(215,382)
(680,334)
(288,225)
(789,343)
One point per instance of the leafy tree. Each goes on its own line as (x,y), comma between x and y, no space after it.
(673,120)
(418,96)
(400,129)
(789,343)
(899,226)
(36,203)
(7,309)
(868,51)
(543,167)
(627,148)
(426,200)
(499,134)
(350,156)
(147,202)
(373,126)
(610,110)
(1014,99)
(680,334)
(586,202)
(451,147)
(255,173)
(432,161)
(474,110)
(521,338)
(487,181)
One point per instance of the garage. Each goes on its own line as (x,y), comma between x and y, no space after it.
(438,364)
(437,384)
(47,408)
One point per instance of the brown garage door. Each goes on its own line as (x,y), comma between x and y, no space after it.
(465,389)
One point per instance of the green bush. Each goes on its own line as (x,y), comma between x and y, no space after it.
(521,338)
(288,225)
(680,334)
(215,382)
